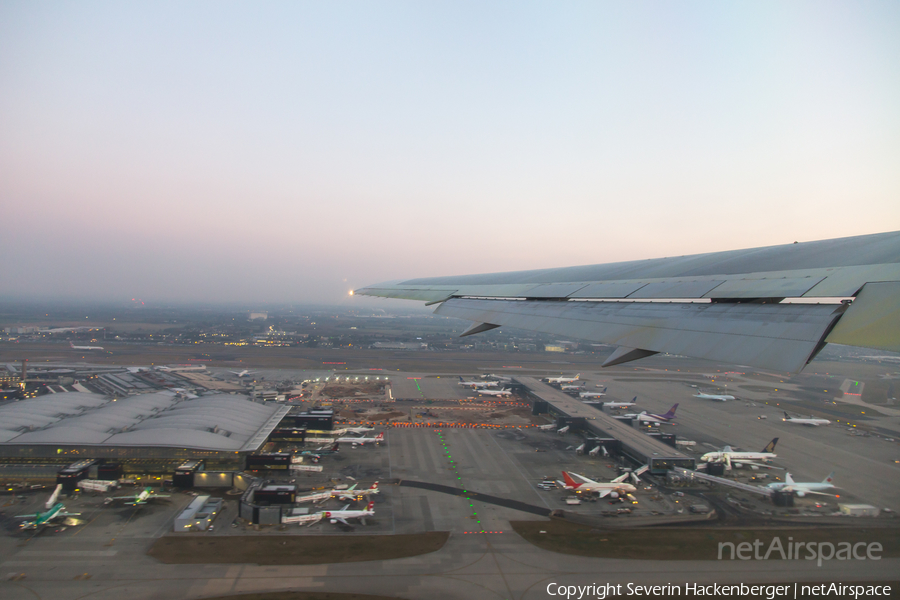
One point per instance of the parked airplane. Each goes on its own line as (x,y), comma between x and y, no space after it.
(719,397)
(760,330)
(352,493)
(615,488)
(571,388)
(592,394)
(243,373)
(803,488)
(623,404)
(548,427)
(503,392)
(812,422)
(645,417)
(738,459)
(138,499)
(563,430)
(477,384)
(563,379)
(325,450)
(74,347)
(341,515)
(361,441)
(39,519)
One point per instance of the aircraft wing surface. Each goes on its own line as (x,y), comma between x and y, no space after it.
(723,306)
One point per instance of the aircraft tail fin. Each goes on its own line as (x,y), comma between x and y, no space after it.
(829,479)
(788,479)
(770,447)
(380,436)
(786,416)
(671,413)
(371,505)
(569,481)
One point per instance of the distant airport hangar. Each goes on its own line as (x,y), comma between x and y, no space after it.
(149,433)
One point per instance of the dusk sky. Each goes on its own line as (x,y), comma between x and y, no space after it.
(292,151)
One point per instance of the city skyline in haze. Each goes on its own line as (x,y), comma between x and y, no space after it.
(291,152)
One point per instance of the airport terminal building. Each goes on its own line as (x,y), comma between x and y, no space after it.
(145,433)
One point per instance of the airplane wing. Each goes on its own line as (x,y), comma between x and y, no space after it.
(755,464)
(582,477)
(341,520)
(802,492)
(722,306)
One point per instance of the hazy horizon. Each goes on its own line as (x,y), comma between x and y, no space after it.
(290,152)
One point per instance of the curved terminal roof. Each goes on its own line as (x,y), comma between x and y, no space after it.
(221,422)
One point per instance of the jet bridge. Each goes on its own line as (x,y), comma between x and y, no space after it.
(777,498)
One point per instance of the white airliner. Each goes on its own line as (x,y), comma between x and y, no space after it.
(592,394)
(563,379)
(719,397)
(243,373)
(138,499)
(361,441)
(812,422)
(503,392)
(74,347)
(352,493)
(615,488)
(645,417)
(548,427)
(803,488)
(341,515)
(477,384)
(738,459)
(621,404)
(563,430)
(571,388)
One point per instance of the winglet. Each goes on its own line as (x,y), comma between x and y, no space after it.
(623,354)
